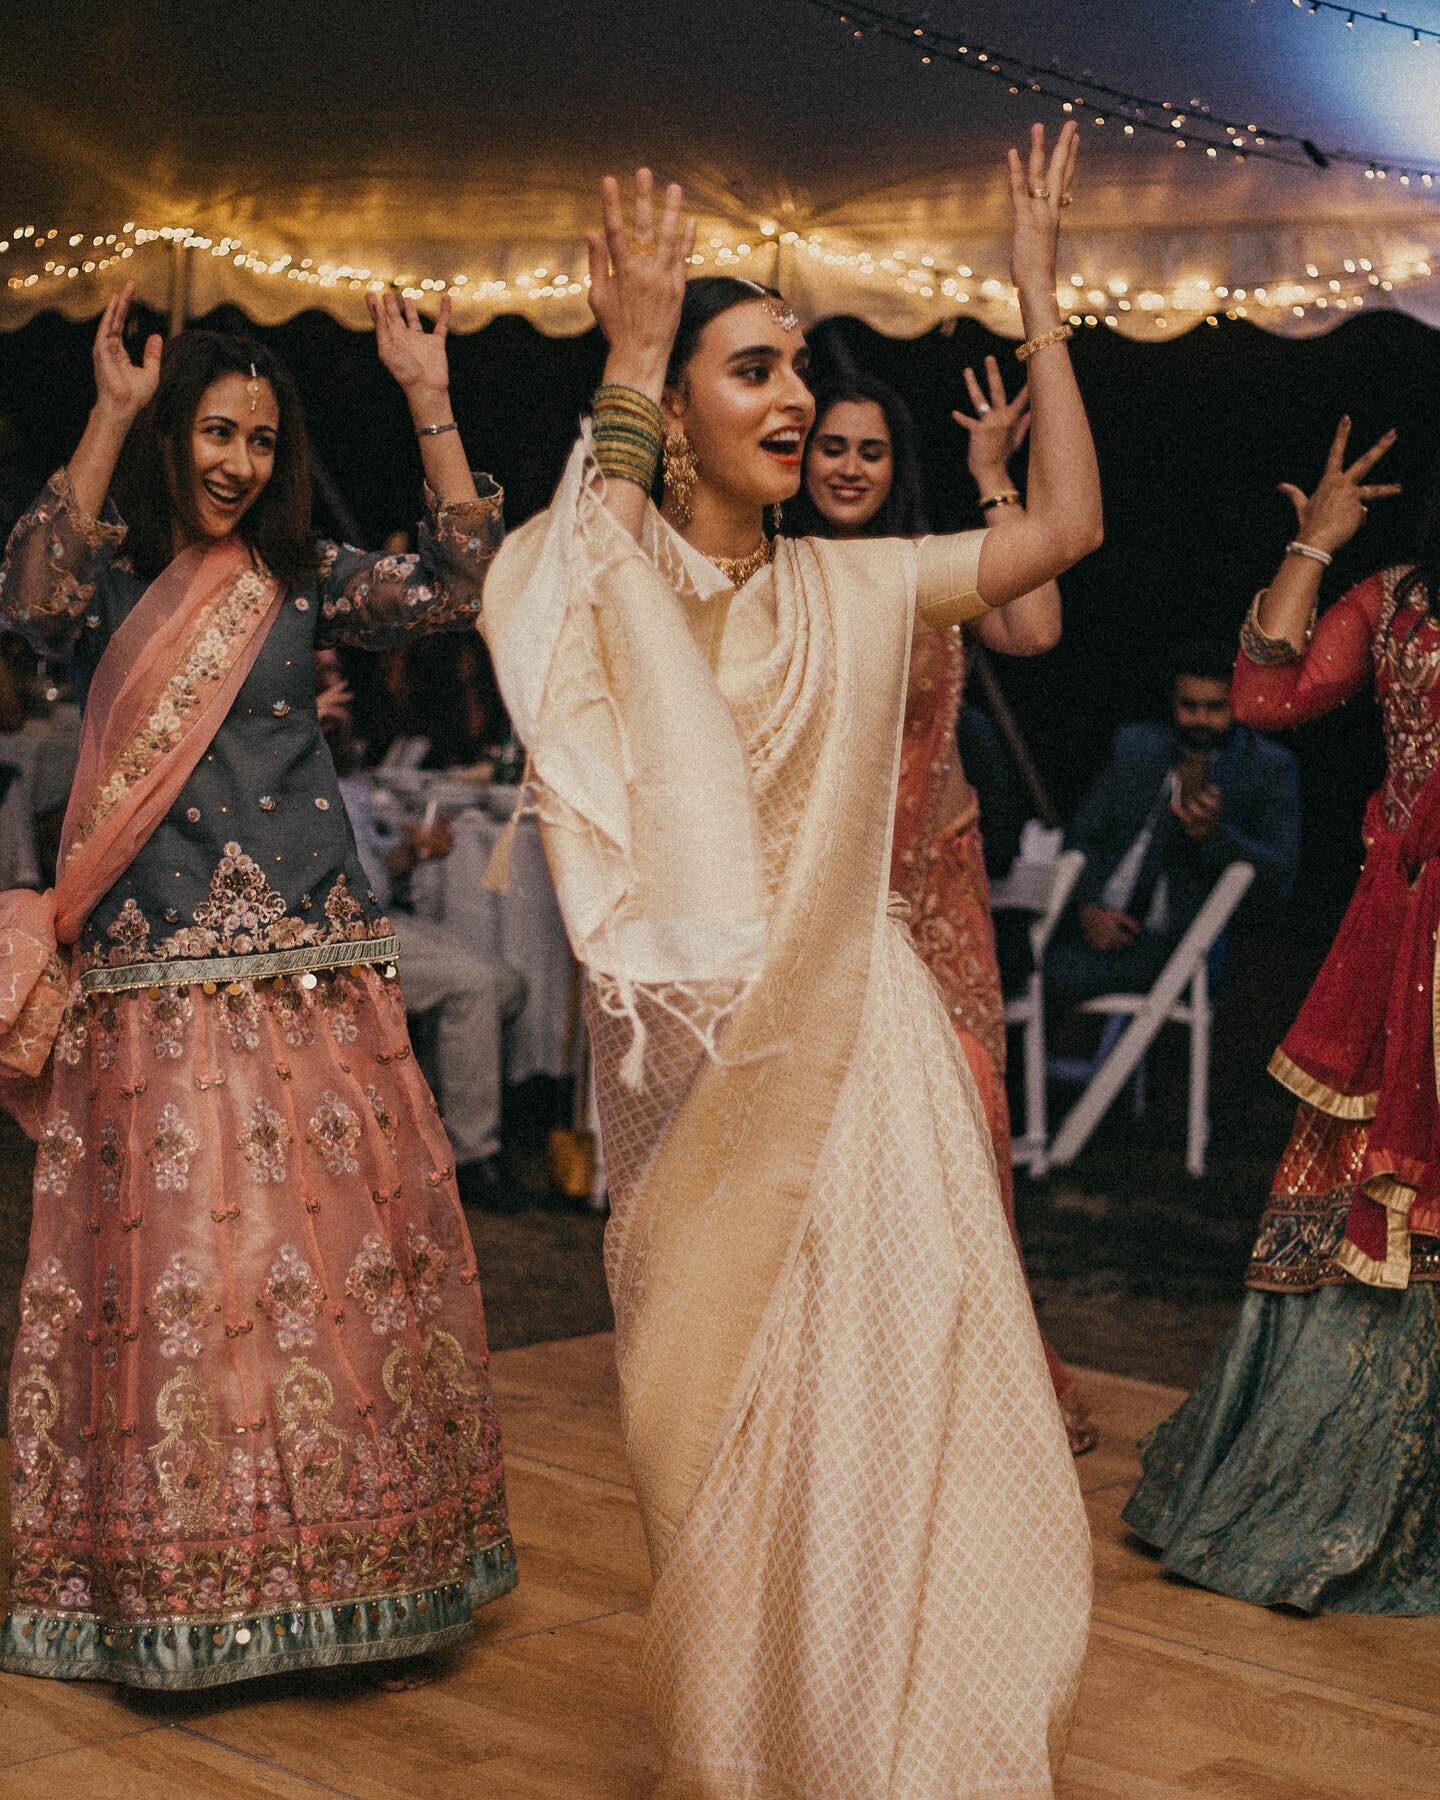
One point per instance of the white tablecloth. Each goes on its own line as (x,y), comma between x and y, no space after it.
(522,927)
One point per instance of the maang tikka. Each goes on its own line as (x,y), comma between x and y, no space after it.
(680,474)
(780,310)
(252,388)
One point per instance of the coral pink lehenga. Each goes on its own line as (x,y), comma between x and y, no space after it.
(938,864)
(250,1414)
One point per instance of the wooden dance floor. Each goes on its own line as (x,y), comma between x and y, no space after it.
(1186,1694)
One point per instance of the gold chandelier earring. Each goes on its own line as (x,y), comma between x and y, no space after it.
(681,471)
(777,517)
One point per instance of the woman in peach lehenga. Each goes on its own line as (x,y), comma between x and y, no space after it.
(870,1556)
(862,479)
(250,1412)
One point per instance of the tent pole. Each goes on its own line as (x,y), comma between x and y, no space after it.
(999,709)
(179,299)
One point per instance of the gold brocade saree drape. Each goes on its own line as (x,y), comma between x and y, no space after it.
(871,1565)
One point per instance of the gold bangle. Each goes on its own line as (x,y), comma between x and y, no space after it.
(1056,335)
(614,397)
(1007,497)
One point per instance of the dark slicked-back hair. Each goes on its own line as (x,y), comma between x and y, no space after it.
(1207,659)
(902,513)
(705,299)
(1425,576)
(154,477)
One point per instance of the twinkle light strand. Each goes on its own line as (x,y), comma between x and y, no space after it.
(73,254)
(1418,33)
(1189,126)
(926,279)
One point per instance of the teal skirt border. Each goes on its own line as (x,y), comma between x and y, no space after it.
(181,1654)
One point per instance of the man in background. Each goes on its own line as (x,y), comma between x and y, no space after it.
(1174,804)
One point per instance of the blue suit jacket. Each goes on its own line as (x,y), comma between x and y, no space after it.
(1259,784)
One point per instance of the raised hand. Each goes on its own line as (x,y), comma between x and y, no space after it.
(637,279)
(418,359)
(123,387)
(1039,188)
(998,427)
(1337,509)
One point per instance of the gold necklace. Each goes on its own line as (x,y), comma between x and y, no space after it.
(737,570)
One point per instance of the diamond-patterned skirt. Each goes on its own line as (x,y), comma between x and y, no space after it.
(882,1586)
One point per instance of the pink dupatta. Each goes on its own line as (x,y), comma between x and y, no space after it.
(162,689)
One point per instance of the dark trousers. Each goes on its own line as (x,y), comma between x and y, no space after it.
(1075,973)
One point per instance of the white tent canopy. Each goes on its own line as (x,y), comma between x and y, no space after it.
(284,157)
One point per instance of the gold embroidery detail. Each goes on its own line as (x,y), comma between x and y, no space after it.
(207,659)
(187,1459)
(426,1380)
(256,967)
(34,1409)
(313,1449)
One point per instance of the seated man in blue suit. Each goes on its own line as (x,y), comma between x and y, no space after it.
(1172,806)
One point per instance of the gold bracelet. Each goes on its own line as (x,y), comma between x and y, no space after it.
(1006,497)
(1268,652)
(1056,335)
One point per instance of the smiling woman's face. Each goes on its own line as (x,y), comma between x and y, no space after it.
(850,465)
(232,453)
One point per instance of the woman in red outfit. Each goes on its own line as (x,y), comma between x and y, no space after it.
(862,480)
(1304,1470)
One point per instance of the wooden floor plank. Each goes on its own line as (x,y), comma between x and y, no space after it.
(581,1550)
(560,1403)
(164,1763)
(555,1715)
(1384,1658)
(37,1718)
(1187,1695)
(1161,1721)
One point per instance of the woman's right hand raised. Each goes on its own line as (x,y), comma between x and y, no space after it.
(1336,510)
(121,386)
(637,280)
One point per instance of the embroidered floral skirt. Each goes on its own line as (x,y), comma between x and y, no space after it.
(250,1411)
(1304,1222)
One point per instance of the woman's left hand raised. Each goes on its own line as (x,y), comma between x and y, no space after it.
(998,427)
(415,357)
(637,280)
(1040,187)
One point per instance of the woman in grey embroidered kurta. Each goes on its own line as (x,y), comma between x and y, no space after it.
(250,1407)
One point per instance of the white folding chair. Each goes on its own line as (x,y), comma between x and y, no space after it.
(1041,888)
(1180,996)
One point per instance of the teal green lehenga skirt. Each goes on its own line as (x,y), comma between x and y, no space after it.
(1304,1470)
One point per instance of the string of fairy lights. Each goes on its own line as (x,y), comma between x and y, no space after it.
(1419,34)
(927,280)
(1192,125)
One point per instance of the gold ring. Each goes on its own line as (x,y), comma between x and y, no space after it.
(1039,193)
(1067,199)
(644,246)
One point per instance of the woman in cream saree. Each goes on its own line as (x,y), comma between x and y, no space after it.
(871,1563)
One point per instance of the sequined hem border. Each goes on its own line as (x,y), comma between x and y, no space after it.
(258,966)
(1315,1093)
(202,1654)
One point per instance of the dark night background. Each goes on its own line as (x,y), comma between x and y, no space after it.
(1193,437)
